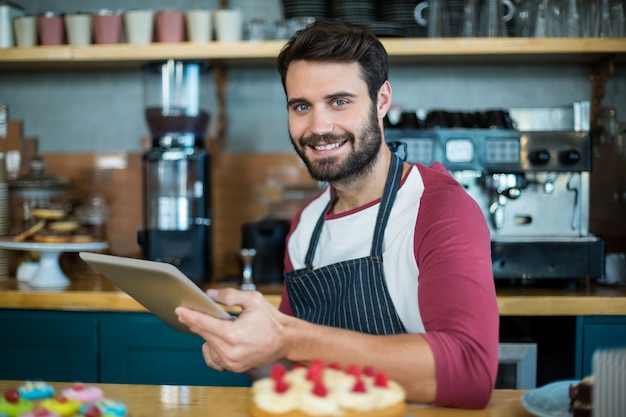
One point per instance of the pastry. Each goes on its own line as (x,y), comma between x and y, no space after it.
(61,405)
(12,404)
(36,390)
(48,213)
(83,393)
(325,391)
(81,235)
(63,225)
(40,412)
(27,229)
(36,399)
(51,236)
(106,408)
(580,398)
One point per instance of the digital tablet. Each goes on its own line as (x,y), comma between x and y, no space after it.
(158,286)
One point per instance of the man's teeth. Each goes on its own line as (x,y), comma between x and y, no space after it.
(328,147)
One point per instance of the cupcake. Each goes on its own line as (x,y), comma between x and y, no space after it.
(40,412)
(12,404)
(61,405)
(107,408)
(36,390)
(84,394)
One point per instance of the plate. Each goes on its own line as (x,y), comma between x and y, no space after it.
(7,243)
(551,400)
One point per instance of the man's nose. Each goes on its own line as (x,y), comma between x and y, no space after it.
(321,121)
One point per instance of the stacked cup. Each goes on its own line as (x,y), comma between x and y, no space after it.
(170,26)
(51,28)
(138,25)
(228,25)
(199,25)
(78,28)
(25,28)
(107,26)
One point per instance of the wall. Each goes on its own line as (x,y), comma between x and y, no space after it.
(84,111)
(101,110)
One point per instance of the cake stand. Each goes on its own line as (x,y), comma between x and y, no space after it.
(49,274)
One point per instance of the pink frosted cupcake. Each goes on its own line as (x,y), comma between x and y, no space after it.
(84,394)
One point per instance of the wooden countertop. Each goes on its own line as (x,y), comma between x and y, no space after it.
(194,401)
(91,292)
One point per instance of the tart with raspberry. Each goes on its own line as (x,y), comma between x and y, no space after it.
(327,390)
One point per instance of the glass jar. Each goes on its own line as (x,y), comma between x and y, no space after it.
(35,189)
(93,217)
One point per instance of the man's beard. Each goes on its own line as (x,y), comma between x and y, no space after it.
(356,164)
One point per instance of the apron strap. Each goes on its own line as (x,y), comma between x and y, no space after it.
(394,177)
(315,237)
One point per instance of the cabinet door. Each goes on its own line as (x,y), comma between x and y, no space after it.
(138,348)
(597,332)
(47,345)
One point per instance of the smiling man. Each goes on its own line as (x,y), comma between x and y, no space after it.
(389,266)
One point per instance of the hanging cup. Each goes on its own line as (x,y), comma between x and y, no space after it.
(438,21)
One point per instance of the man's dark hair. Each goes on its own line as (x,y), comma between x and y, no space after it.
(337,41)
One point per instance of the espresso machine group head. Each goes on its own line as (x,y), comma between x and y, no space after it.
(176,183)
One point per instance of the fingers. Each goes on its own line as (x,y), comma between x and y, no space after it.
(211,358)
(234,297)
(198,322)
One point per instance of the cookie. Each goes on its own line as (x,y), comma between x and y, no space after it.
(27,229)
(51,236)
(63,225)
(48,213)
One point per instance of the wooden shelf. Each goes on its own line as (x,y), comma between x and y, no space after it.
(502,50)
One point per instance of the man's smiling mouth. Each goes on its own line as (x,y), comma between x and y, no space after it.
(329,146)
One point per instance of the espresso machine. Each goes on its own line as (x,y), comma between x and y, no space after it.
(176,183)
(533,189)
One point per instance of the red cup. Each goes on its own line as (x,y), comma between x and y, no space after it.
(170,26)
(51,29)
(107,26)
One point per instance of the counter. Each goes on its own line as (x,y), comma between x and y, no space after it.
(94,332)
(195,401)
(91,292)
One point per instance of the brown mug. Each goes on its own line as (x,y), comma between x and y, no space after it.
(170,26)
(107,26)
(51,29)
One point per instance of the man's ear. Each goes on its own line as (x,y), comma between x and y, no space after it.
(383,100)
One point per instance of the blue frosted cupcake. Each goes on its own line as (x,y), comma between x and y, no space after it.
(36,390)
(107,407)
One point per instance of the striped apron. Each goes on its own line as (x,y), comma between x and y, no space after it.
(350,294)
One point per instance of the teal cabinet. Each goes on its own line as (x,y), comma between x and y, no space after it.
(48,345)
(597,332)
(133,348)
(145,350)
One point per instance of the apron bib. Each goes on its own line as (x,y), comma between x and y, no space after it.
(350,294)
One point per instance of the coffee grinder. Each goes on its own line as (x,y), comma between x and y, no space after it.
(176,183)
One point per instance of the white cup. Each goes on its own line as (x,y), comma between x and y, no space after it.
(228,25)
(25,28)
(199,25)
(139,25)
(78,27)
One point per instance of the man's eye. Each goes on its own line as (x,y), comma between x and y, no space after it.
(301,107)
(340,102)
